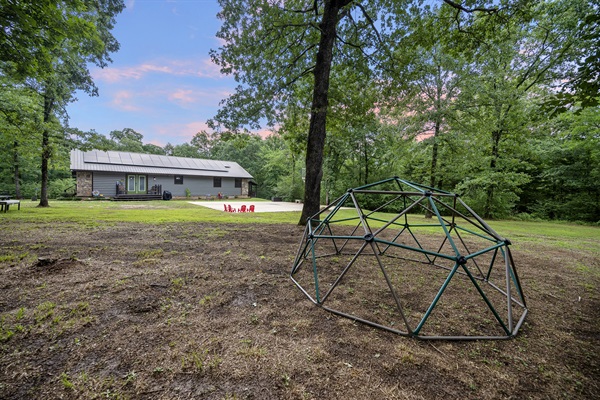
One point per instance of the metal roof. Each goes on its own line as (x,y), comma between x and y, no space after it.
(136,163)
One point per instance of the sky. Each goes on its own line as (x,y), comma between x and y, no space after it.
(161,82)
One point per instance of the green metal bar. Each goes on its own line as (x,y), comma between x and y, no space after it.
(508,295)
(491,239)
(516,282)
(300,255)
(340,237)
(469,251)
(337,206)
(315,274)
(360,213)
(352,233)
(394,239)
(416,249)
(419,244)
(437,213)
(482,222)
(392,290)
(430,188)
(375,184)
(514,268)
(344,220)
(490,306)
(380,220)
(344,271)
(454,210)
(487,278)
(384,205)
(393,220)
(436,298)
(480,252)
(360,191)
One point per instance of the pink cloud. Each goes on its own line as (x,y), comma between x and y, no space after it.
(180,132)
(202,69)
(264,133)
(123,100)
(183,96)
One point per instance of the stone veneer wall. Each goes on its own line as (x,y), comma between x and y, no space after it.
(84,183)
(245,186)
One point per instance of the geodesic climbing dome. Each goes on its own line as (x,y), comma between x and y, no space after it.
(373,256)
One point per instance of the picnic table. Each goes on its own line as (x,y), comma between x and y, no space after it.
(5,204)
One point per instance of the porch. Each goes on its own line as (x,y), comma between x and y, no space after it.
(154,193)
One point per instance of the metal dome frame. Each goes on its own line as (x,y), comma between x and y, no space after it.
(458,227)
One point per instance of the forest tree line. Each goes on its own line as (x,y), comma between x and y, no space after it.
(497,104)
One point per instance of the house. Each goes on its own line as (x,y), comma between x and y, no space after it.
(120,174)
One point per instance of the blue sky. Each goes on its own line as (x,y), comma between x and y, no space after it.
(161,83)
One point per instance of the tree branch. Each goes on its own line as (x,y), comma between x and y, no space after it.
(470,10)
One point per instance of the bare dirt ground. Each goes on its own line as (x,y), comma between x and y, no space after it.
(205,311)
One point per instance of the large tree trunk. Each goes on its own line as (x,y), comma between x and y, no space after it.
(46,153)
(318,112)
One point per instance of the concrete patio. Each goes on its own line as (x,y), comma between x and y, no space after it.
(259,206)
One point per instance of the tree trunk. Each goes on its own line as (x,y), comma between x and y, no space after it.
(17,174)
(436,133)
(366,154)
(46,153)
(434,159)
(318,112)
(488,208)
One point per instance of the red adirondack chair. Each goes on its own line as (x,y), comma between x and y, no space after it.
(243,209)
(225,205)
(229,208)
(251,208)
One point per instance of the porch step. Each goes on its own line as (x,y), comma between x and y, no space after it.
(137,197)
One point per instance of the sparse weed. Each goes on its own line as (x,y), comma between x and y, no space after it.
(178,282)
(44,311)
(20,314)
(130,377)
(149,254)
(5,332)
(200,361)
(67,384)
(251,350)
(205,300)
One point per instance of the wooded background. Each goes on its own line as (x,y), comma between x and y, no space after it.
(497,101)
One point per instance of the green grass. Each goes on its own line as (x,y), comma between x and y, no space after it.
(99,213)
(524,230)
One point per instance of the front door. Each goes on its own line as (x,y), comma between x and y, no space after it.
(136,184)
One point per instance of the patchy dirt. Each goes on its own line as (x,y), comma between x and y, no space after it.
(208,311)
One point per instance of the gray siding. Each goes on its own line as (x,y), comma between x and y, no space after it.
(198,185)
(106,182)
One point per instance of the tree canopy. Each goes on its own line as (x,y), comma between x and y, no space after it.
(495,100)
